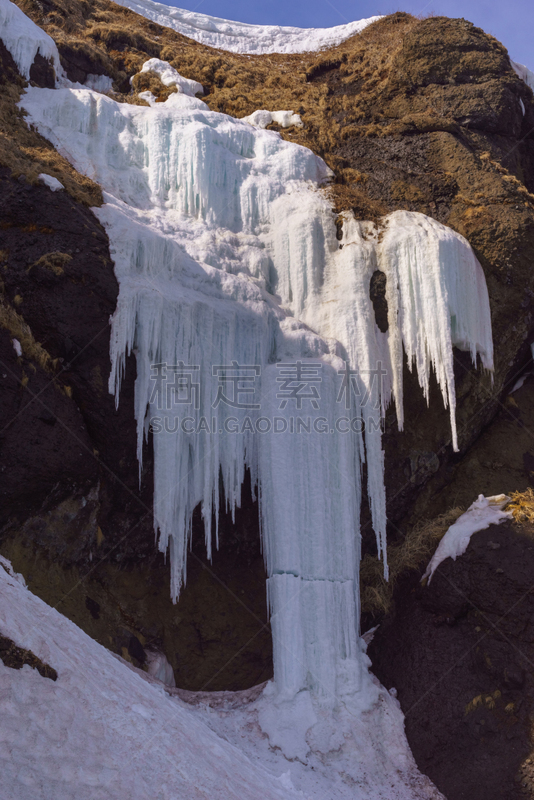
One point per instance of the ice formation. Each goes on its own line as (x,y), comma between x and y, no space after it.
(257,347)
(240,37)
(24,39)
(524,73)
(260,119)
(99,83)
(485,511)
(159,667)
(226,254)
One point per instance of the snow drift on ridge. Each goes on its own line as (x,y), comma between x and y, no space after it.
(240,37)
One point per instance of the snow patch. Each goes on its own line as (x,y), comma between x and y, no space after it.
(485,511)
(240,37)
(53,184)
(17,347)
(149,97)
(24,39)
(170,77)
(261,119)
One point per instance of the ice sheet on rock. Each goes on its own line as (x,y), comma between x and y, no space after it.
(240,37)
(524,73)
(261,119)
(99,83)
(24,39)
(170,77)
(160,668)
(100,732)
(485,511)
(53,184)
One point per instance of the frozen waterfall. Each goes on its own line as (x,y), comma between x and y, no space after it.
(257,347)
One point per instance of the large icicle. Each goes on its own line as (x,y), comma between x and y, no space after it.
(227,258)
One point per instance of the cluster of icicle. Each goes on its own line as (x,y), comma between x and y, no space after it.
(225,250)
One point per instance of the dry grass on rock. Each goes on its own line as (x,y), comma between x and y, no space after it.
(412,554)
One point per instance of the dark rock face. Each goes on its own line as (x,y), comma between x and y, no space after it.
(460,654)
(42,72)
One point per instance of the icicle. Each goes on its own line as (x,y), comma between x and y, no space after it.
(227,259)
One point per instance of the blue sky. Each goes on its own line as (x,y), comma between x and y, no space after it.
(510,21)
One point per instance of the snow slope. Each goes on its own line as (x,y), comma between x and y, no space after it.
(239,37)
(100,732)
(104,731)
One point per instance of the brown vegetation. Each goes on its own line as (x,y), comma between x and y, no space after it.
(13,322)
(412,554)
(522,506)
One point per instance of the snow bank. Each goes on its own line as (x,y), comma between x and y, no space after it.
(261,119)
(485,511)
(170,77)
(24,39)
(239,37)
